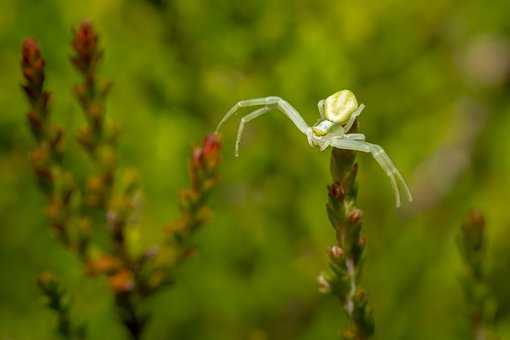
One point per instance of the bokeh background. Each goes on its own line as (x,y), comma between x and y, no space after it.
(435,78)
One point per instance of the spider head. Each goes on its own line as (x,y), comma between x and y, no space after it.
(322,127)
(339,107)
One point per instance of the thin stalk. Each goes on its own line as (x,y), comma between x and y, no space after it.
(472,243)
(342,281)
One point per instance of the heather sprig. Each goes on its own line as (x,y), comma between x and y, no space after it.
(96,136)
(203,171)
(107,203)
(101,206)
(57,184)
(472,243)
(178,245)
(342,280)
(59,302)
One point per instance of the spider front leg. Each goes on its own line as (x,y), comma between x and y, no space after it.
(382,159)
(353,117)
(245,120)
(268,104)
(276,102)
(240,104)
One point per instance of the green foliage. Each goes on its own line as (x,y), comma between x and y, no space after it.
(433,77)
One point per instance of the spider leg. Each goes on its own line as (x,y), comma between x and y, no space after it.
(382,159)
(338,134)
(246,119)
(321,108)
(378,152)
(355,136)
(353,117)
(243,103)
(275,102)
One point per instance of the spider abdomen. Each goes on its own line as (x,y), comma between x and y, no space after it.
(339,106)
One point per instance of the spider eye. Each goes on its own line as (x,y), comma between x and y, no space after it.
(339,106)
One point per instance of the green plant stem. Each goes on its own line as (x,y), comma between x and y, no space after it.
(58,301)
(345,256)
(134,323)
(472,246)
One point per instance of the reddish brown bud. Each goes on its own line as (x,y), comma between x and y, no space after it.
(473,230)
(355,216)
(54,211)
(86,137)
(40,162)
(85,38)
(475,217)
(188,198)
(45,279)
(187,253)
(95,183)
(48,283)
(336,191)
(122,281)
(31,59)
(212,146)
(197,158)
(349,334)
(32,66)
(209,152)
(85,44)
(35,122)
(104,265)
(57,138)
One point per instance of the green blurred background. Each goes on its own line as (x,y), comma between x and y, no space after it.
(434,76)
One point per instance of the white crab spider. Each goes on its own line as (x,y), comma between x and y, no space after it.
(338,113)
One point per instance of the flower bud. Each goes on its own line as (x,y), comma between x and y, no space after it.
(473,231)
(47,281)
(324,286)
(32,65)
(335,252)
(355,216)
(336,191)
(211,150)
(122,281)
(85,44)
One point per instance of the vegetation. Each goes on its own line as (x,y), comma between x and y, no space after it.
(434,77)
(105,205)
(346,255)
